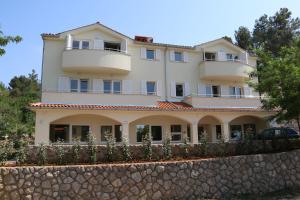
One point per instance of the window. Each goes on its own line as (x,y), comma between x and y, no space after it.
(156,133)
(117,87)
(151,88)
(178,56)
(236,92)
(236,132)
(179,90)
(216,91)
(150,54)
(107,86)
(80,132)
(59,132)
(239,92)
(218,132)
(232,92)
(210,56)
(201,133)
(112,87)
(85,45)
(176,132)
(118,133)
(74,85)
(112,46)
(105,132)
(229,56)
(141,131)
(76,44)
(188,130)
(250,129)
(84,85)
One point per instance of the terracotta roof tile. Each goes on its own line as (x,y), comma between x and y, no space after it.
(161,106)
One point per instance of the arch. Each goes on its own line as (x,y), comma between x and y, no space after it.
(210,117)
(210,127)
(82,115)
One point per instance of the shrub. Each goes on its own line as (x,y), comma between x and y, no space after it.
(185,147)
(125,150)
(203,146)
(22,151)
(76,147)
(167,149)
(59,152)
(147,146)
(41,154)
(221,147)
(6,150)
(92,151)
(110,146)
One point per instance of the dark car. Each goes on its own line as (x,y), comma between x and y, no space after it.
(277,133)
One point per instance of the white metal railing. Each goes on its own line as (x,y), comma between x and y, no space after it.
(105,49)
(101,92)
(225,96)
(225,60)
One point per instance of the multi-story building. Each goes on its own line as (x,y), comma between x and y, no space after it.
(95,79)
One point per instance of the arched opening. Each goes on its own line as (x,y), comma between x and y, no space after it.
(210,128)
(243,126)
(77,127)
(159,127)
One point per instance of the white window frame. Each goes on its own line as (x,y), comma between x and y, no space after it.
(147,49)
(155,89)
(112,131)
(176,133)
(183,92)
(237,96)
(79,84)
(71,131)
(112,82)
(181,53)
(150,133)
(80,43)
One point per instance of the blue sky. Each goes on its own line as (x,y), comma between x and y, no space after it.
(187,22)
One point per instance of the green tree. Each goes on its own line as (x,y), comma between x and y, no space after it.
(228,38)
(5,40)
(280,82)
(243,38)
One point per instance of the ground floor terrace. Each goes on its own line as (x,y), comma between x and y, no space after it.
(72,122)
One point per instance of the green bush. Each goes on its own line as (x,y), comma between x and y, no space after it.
(147,146)
(203,146)
(110,147)
(185,147)
(41,154)
(126,155)
(22,151)
(76,147)
(167,149)
(59,151)
(6,150)
(92,151)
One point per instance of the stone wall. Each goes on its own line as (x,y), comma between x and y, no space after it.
(207,178)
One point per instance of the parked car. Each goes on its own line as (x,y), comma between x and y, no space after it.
(278,133)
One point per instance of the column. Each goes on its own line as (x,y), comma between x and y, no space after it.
(42,129)
(194,134)
(226,134)
(125,130)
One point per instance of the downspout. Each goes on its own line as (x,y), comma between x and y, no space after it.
(165,71)
(42,71)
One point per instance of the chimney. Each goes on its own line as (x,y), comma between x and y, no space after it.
(143,39)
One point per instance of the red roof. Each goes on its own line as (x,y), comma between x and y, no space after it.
(161,106)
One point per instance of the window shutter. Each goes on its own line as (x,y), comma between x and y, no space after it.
(98,85)
(201,90)
(157,54)
(172,55)
(208,90)
(63,84)
(143,87)
(224,91)
(124,46)
(187,89)
(127,87)
(98,44)
(173,89)
(158,88)
(69,42)
(185,57)
(143,53)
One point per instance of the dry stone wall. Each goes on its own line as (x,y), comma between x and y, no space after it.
(207,178)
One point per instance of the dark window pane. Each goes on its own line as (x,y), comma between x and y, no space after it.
(218,132)
(112,46)
(175,128)
(105,131)
(107,86)
(85,45)
(210,56)
(216,91)
(178,56)
(176,137)
(74,85)
(83,85)
(117,87)
(80,132)
(75,44)
(59,132)
(250,129)
(179,90)
(156,132)
(118,133)
(150,54)
(150,88)
(236,132)
(141,131)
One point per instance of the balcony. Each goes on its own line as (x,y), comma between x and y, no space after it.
(225,70)
(223,102)
(96,61)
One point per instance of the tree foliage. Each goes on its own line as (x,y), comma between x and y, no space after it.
(5,40)
(243,38)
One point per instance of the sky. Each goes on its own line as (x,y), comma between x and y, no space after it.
(182,22)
